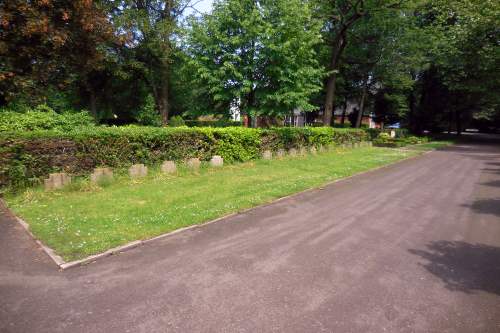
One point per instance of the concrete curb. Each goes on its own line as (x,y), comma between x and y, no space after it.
(63,265)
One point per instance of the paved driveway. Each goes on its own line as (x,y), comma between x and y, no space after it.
(414,247)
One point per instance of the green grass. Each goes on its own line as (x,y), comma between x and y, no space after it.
(431,145)
(82,219)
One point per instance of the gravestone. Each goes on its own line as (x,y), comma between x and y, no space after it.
(138,171)
(393,134)
(292,152)
(56,181)
(267,155)
(217,161)
(280,153)
(193,163)
(101,174)
(168,167)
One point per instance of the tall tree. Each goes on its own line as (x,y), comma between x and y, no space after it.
(152,27)
(339,17)
(258,54)
(49,42)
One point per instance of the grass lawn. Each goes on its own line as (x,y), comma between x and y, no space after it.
(83,219)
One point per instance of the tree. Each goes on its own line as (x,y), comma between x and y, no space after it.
(258,54)
(50,42)
(465,61)
(339,18)
(152,27)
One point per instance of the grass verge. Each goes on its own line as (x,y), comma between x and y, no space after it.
(82,220)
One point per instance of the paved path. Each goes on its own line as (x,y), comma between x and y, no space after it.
(410,248)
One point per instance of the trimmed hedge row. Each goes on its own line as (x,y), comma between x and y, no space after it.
(213,123)
(25,157)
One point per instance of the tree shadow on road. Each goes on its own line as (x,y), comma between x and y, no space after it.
(462,266)
(485,206)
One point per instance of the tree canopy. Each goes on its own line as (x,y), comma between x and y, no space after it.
(426,64)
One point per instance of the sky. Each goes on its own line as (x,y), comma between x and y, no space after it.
(203,6)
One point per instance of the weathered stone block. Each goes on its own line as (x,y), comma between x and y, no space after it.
(292,152)
(280,153)
(56,181)
(193,163)
(217,161)
(267,155)
(101,174)
(168,167)
(138,171)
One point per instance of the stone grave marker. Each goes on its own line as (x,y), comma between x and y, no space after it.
(217,161)
(168,167)
(56,181)
(193,163)
(138,171)
(101,174)
(267,155)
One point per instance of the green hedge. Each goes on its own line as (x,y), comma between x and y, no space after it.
(43,118)
(25,157)
(213,123)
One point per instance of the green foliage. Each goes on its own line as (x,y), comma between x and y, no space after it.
(37,153)
(43,118)
(213,123)
(148,115)
(259,55)
(384,139)
(176,121)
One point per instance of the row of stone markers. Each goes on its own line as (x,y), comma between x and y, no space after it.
(61,179)
(267,154)
(136,171)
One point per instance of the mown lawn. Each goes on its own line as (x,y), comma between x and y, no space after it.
(83,219)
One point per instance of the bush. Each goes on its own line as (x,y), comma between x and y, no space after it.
(147,114)
(213,123)
(176,121)
(385,140)
(43,118)
(25,157)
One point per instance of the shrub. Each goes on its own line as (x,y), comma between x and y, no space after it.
(213,123)
(176,121)
(147,114)
(31,155)
(43,118)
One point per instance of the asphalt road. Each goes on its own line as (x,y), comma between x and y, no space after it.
(414,247)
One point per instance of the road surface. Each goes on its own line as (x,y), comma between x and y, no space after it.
(414,247)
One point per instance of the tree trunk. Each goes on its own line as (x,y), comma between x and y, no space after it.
(450,122)
(163,102)
(93,103)
(362,104)
(344,111)
(458,122)
(338,46)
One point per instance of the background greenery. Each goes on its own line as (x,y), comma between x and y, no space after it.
(429,65)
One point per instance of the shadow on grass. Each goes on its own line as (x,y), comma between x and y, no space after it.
(462,266)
